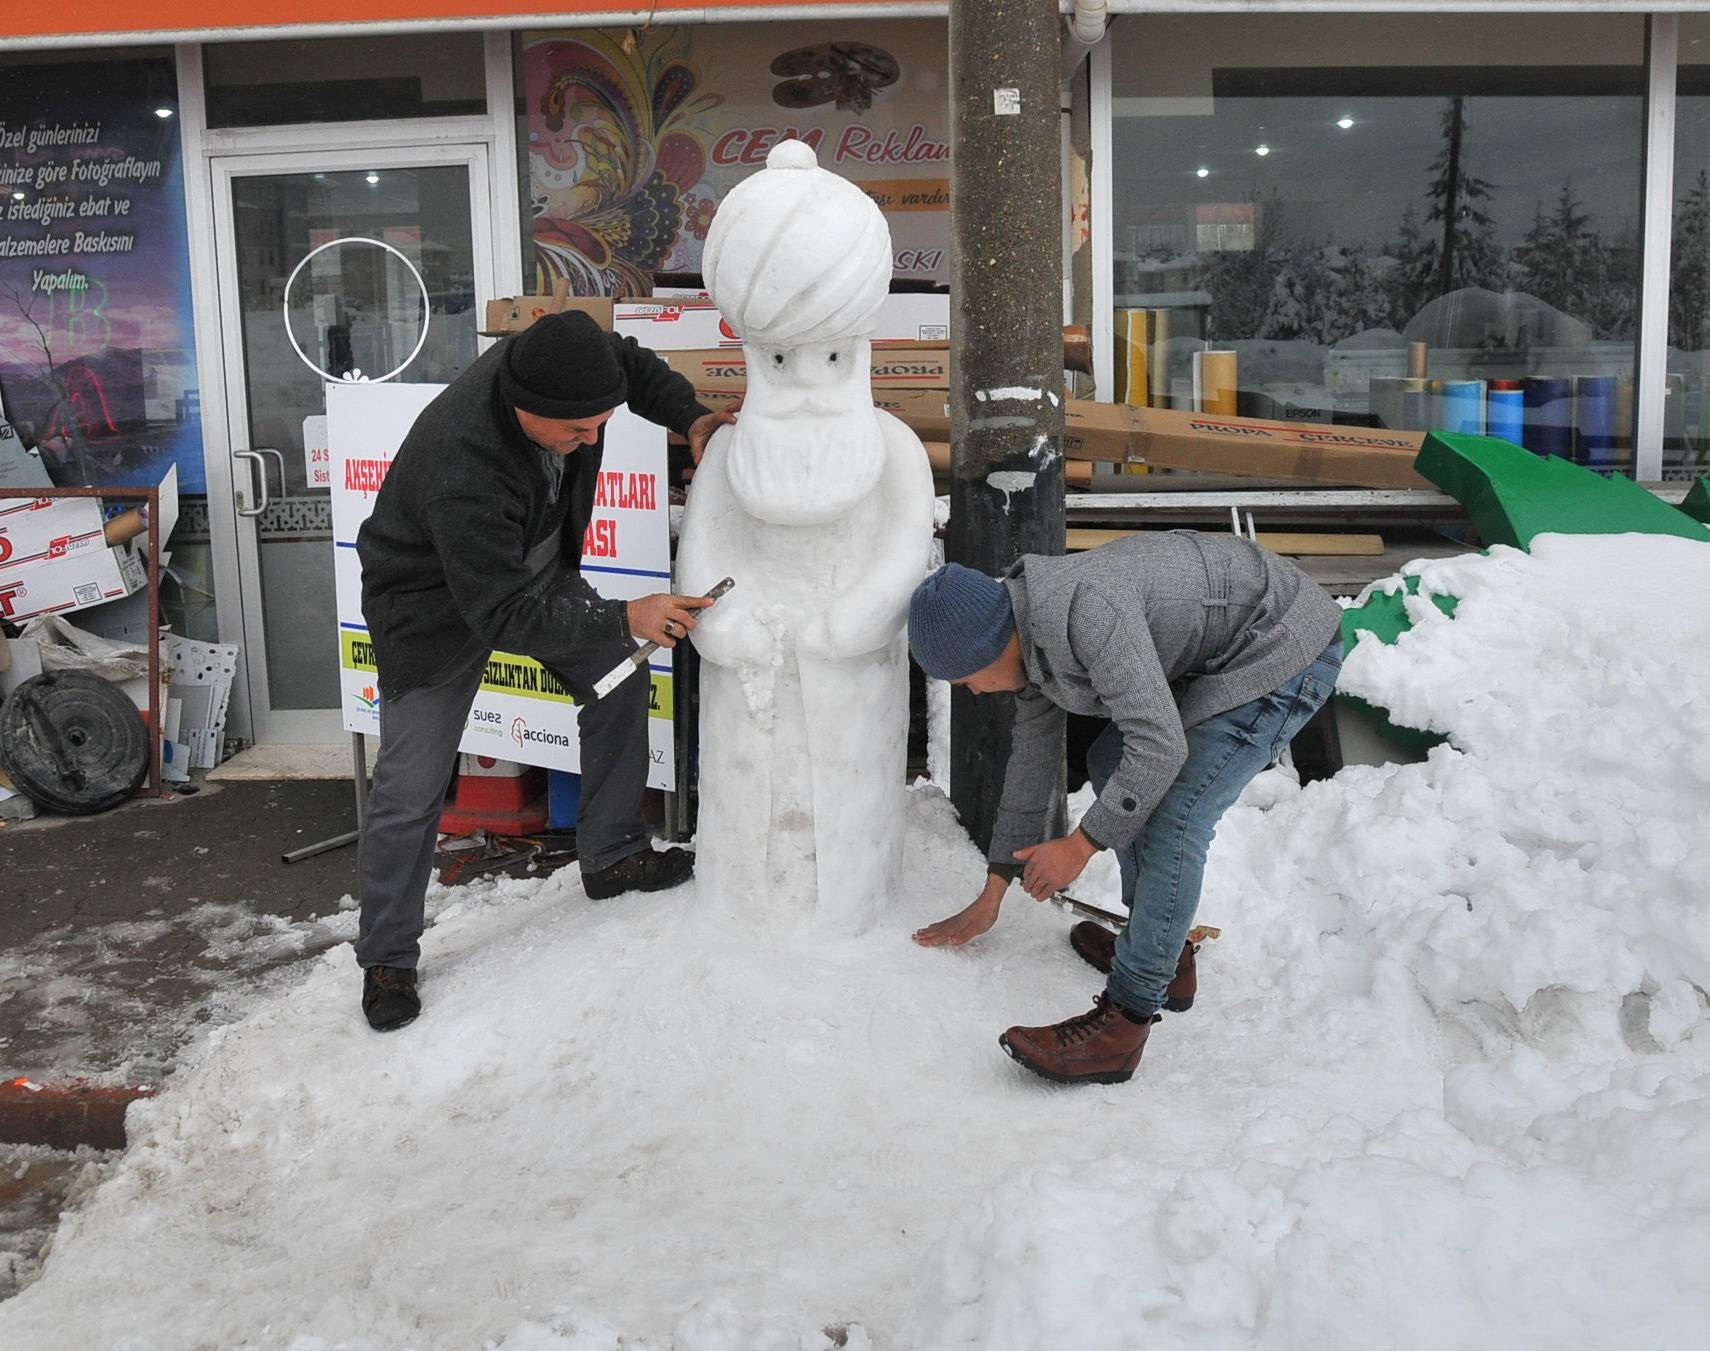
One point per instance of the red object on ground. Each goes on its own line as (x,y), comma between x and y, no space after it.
(500,804)
(65,1115)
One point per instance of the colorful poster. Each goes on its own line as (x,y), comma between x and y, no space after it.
(522,713)
(97,349)
(633,138)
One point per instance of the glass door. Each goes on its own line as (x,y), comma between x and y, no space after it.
(344,266)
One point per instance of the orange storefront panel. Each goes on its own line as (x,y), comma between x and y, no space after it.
(79,18)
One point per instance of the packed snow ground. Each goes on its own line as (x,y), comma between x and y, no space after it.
(1447,1083)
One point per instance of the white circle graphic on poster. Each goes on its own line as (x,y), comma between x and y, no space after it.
(355,376)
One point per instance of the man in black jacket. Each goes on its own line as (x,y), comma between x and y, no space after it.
(475,545)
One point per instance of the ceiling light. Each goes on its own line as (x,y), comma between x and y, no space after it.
(1344,122)
(1203,173)
(17,196)
(373,178)
(163,112)
(1261,150)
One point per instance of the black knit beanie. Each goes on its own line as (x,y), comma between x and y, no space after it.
(562,367)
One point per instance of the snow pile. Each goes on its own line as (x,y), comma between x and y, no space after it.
(1447,1084)
(71,986)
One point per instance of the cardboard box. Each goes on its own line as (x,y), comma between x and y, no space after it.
(674,325)
(910,317)
(56,559)
(925,410)
(723,373)
(514,314)
(1173,439)
(687,324)
(35,529)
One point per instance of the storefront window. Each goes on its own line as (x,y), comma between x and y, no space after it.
(97,348)
(1419,222)
(628,139)
(1686,419)
(254,84)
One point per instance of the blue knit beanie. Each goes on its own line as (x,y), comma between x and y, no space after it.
(958,622)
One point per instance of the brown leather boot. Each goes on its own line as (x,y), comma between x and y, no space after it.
(1100,1047)
(1097,948)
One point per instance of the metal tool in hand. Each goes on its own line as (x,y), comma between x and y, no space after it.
(1196,935)
(636,660)
(1068,902)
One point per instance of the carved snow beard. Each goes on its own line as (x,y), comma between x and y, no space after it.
(804,468)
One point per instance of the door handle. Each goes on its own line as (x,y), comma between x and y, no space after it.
(279,460)
(260,476)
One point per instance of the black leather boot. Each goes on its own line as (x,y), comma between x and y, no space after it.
(647,870)
(389,997)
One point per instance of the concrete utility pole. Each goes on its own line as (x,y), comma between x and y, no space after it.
(1006,332)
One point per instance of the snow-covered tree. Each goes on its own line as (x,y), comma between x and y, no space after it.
(1326,293)
(1412,276)
(1689,271)
(1564,262)
(1465,234)
(1240,281)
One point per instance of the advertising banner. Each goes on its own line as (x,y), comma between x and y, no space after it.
(633,139)
(97,357)
(522,713)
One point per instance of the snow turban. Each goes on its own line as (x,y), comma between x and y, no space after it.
(798,255)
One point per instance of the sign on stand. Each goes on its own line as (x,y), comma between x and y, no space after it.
(317,459)
(522,713)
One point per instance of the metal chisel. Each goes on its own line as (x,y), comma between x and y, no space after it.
(636,660)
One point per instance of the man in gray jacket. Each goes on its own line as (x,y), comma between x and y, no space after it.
(1207,654)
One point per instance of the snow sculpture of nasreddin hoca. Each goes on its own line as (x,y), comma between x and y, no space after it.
(820,506)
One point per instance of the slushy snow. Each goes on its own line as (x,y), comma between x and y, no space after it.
(1445,1086)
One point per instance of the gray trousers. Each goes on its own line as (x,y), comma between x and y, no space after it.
(419,732)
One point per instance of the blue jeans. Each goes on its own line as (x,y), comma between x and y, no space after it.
(1164,866)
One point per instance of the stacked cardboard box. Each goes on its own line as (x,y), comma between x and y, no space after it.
(55,553)
(1174,439)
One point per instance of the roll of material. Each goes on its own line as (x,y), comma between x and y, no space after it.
(1416,399)
(1594,420)
(1160,364)
(1214,382)
(1463,407)
(1134,357)
(1418,360)
(1505,411)
(1548,428)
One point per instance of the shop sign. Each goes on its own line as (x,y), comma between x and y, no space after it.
(633,140)
(522,712)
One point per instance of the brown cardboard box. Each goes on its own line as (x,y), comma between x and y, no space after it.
(925,410)
(1170,439)
(897,370)
(1173,439)
(914,365)
(515,313)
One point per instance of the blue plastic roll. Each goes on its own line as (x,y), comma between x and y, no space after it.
(1463,406)
(1505,414)
(1594,398)
(1548,429)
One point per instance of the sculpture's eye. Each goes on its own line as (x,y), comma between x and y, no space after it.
(834,358)
(777,358)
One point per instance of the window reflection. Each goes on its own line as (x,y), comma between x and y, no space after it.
(1307,228)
